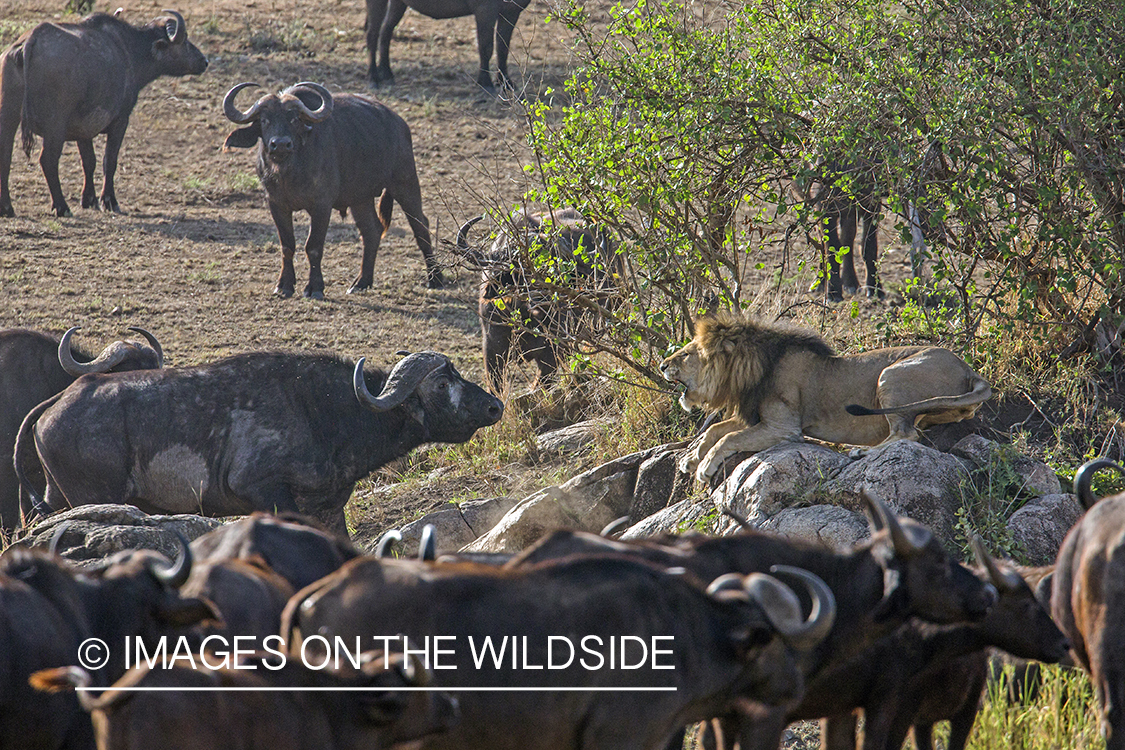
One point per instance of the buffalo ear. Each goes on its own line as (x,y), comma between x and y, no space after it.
(245,137)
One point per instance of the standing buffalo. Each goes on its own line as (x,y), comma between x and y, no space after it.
(1088,597)
(73,81)
(33,368)
(318,152)
(260,431)
(493,17)
(521,315)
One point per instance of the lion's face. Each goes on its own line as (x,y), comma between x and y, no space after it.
(685,367)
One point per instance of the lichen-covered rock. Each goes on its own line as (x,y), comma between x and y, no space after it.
(94,532)
(1040,526)
(829,525)
(456,525)
(778,478)
(675,519)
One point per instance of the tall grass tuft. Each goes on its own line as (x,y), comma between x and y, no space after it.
(1063,717)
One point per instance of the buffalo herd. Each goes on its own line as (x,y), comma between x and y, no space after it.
(274,632)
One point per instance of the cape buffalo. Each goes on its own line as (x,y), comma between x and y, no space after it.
(1088,597)
(493,17)
(521,315)
(73,81)
(259,431)
(740,636)
(34,367)
(318,151)
(48,610)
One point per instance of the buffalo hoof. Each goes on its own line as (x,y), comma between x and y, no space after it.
(381,77)
(314,295)
(283,292)
(435,280)
(63,212)
(7,211)
(91,202)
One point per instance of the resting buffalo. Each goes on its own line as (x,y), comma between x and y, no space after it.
(520,315)
(47,609)
(277,707)
(740,637)
(1088,597)
(318,151)
(260,431)
(493,17)
(33,368)
(73,81)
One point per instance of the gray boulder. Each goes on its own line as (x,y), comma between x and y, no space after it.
(94,532)
(679,518)
(986,455)
(1040,526)
(456,525)
(828,525)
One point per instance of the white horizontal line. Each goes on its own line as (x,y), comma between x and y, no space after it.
(286,689)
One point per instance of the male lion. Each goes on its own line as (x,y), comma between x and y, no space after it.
(775,384)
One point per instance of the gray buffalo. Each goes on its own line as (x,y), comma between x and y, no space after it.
(317,152)
(260,431)
(73,81)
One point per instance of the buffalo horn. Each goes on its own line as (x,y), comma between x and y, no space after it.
(615,527)
(1003,580)
(822,616)
(385,542)
(463,233)
(111,357)
(427,548)
(1085,475)
(908,541)
(233,113)
(179,29)
(321,113)
(402,381)
(53,545)
(726,582)
(153,343)
(175,574)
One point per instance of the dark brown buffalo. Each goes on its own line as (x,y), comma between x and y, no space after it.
(493,17)
(1088,597)
(34,367)
(48,609)
(901,572)
(923,674)
(248,595)
(735,639)
(253,432)
(295,547)
(73,81)
(523,318)
(318,151)
(358,709)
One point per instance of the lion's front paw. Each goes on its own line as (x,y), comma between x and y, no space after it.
(688,462)
(710,465)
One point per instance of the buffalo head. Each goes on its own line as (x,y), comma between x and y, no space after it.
(173,54)
(280,121)
(449,407)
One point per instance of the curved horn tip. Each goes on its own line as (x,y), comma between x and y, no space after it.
(726,582)
(384,546)
(822,616)
(176,574)
(153,342)
(427,548)
(1084,477)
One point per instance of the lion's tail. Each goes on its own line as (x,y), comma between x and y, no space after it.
(980,393)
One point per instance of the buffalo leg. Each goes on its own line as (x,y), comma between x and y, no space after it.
(497,336)
(113,138)
(89,161)
(283,220)
(1111,696)
(49,163)
(11,105)
(505,26)
(486,16)
(408,194)
(870,216)
(849,219)
(370,231)
(838,732)
(394,10)
(831,262)
(314,249)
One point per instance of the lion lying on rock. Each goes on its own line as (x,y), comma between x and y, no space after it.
(775,384)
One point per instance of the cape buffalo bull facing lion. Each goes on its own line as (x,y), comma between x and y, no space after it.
(776,384)
(259,431)
(317,152)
